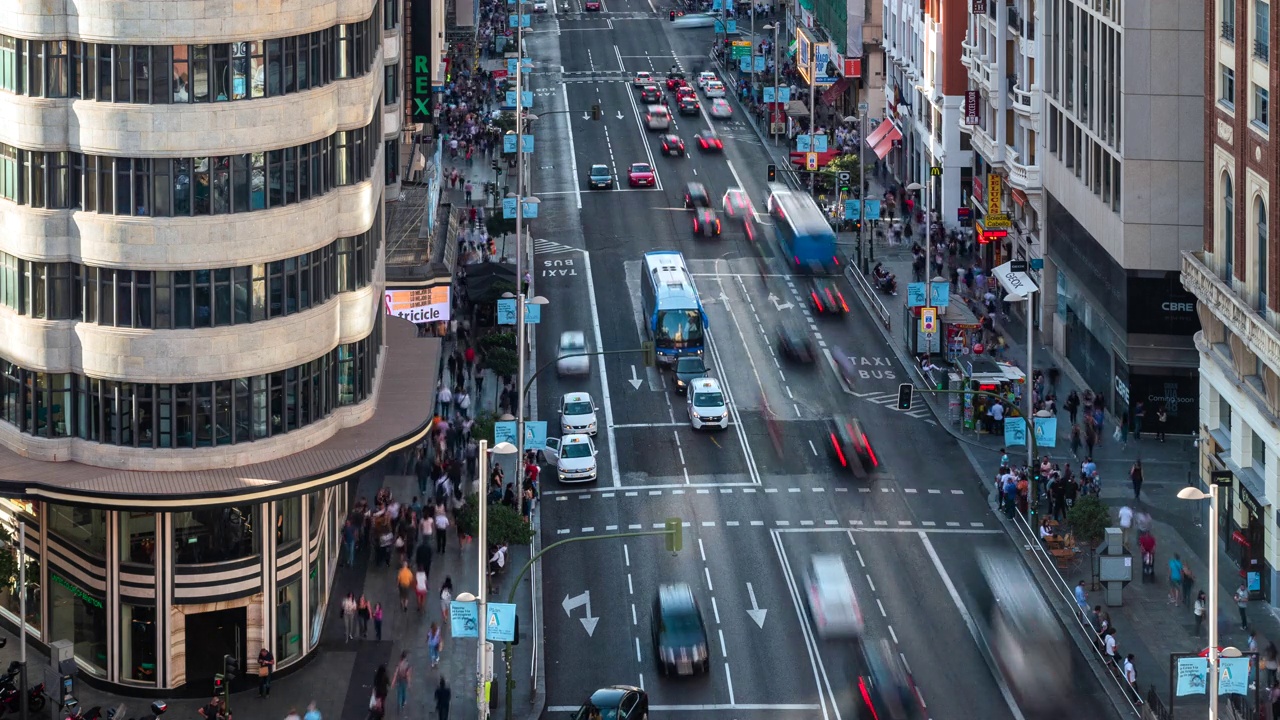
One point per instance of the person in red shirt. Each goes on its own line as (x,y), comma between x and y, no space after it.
(1148,544)
(470,357)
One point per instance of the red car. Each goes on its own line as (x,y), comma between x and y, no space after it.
(684,91)
(591,5)
(708,142)
(675,81)
(651,93)
(672,145)
(641,175)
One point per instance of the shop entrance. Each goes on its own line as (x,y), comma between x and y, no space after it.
(211,635)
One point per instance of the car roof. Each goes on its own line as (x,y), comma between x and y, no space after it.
(831,567)
(573,336)
(599,167)
(697,186)
(575,397)
(575,439)
(607,697)
(676,596)
(707,384)
(640,165)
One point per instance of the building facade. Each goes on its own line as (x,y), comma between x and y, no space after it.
(924,97)
(1122,169)
(195,358)
(1003,116)
(1234,279)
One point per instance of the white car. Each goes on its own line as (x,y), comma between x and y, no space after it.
(707,405)
(573,342)
(696,20)
(642,79)
(658,118)
(833,606)
(577,414)
(704,77)
(574,457)
(714,89)
(539,5)
(720,109)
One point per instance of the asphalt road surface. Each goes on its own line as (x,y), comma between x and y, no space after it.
(755,505)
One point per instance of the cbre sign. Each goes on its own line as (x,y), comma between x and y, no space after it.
(420,72)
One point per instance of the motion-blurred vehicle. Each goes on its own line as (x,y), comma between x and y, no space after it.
(705,77)
(1024,637)
(706,223)
(650,94)
(888,689)
(642,78)
(672,145)
(616,702)
(591,5)
(695,196)
(708,141)
(685,91)
(600,177)
(714,89)
(686,369)
(679,634)
(795,344)
(845,365)
(577,414)
(676,79)
(826,297)
(658,117)
(695,20)
(736,203)
(640,175)
(850,447)
(706,405)
(833,605)
(688,106)
(720,109)
(540,6)
(573,342)
(574,457)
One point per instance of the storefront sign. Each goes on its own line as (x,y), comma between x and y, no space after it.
(995,188)
(1161,306)
(852,67)
(998,221)
(420,50)
(978,190)
(971,107)
(419,305)
(978,7)
(1018,283)
(76,591)
(1176,389)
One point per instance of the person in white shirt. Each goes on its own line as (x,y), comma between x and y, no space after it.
(1129,675)
(1126,523)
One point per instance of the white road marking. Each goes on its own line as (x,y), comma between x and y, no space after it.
(706,708)
(626,554)
(573,153)
(894,635)
(651,425)
(881,606)
(707,571)
(731,523)
(813,447)
(820,679)
(634,620)
(728,678)
(604,374)
(861,562)
(715,609)
(724,652)
(630,588)
(637,649)
(871,583)
(702,549)
(610,528)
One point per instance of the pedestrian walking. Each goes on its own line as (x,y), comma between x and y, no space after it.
(293,715)
(312,712)
(1162,418)
(1242,604)
(420,589)
(1131,677)
(404,582)
(1175,579)
(378,699)
(1126,524)
(377,621)
(434,638)
(363,612)
(443,696)
(1075,441)
(441,528)
(446,597)
(349,615)
(266,663)
(1188,580)
(1199,611)
(1139,415)
(400,680)
(1082,598)
(1135,476)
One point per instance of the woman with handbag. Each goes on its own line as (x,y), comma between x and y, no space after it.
(266,662)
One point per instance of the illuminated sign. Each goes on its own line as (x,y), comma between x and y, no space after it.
(420,70)
(419,305)
(995,188)
(76,591)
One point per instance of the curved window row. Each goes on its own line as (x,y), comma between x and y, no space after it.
(179,74)
(182,187)
(189,415)
(184,299)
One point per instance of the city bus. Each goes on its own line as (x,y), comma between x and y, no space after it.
(674,318)
(803,232)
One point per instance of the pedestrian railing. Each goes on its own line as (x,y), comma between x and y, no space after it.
(1060,593)
(1155,708)
(859,281)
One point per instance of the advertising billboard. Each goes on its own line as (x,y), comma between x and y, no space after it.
(419,305)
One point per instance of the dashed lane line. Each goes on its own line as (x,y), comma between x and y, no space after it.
(793,525)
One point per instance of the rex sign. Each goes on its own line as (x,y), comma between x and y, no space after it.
(420,73)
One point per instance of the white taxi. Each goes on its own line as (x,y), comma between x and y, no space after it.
(577,414)
(705,77)
(714,89)
(642,79)
(707,405)
(574,457)
(658,118)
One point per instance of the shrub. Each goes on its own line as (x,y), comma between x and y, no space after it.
(505,524)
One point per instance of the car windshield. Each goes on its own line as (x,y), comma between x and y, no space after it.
(708,399)
(678,327)
(577,408)
(690,365)
(599,170)
(575,450)
(571,345)
(640,168)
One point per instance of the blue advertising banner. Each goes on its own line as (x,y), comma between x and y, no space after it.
(759,64)
(504,431)
(501,623)
(777,94)
(532,314)
(535,435)
(941,294)
(852,211)
(519,20)
(526,99)
(463,620)
(1015,431)
(509,143)
(511,65)
(1193,676)
(1233,678)
(817,144)
(529,210)
(506,311)
(1046,432)
(509,213)
(873,209)
(915,294)
(744,64)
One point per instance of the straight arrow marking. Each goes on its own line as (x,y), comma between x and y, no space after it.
(635,381)
(619,114)
(756,612)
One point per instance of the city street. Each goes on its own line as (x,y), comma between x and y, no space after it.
(759,499)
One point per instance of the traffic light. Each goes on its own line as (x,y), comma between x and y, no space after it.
(219,684)
(495,163)
(904,396)
(844,178)
(857,226)
(773,173)
(595,113)
(674,535)
(230,666)
(650,353)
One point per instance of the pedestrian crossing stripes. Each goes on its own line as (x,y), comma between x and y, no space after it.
(550,247)
(925,525)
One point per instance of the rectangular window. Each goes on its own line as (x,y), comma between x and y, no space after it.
(221,71)
(1258,453)
(390,14)
(57,68)
(142,304)
(304,62)
(290,64)
(9,65)
(391,86)
(317,41)
(239,70)
(1227,86)
(123,74)
(161,74)
(142,73)
(106,54)
(1261,107)
(200,73)
(181,74)
(257,69)
(164,299)
(203,281)
(1262,30)
(274,73)
(221,181)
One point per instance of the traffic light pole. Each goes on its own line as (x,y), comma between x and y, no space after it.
(674,531)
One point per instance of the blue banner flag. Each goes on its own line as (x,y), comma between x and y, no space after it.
(915,294)
(941,294)
(504,430)
(506,311)
(1193,676)
(509,213)
(1046,430)
(500,626)
(532,314)
(1015,431)
(535,435)
(463,620)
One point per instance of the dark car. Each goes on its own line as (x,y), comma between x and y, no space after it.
(827,299)
(672,145)
(616,702)
(709,142)
(600,177)
(651,93)
(679,635)
(706,223)
(689,106)
(888,689)
(688,368)
(695,196)
(849,446)
(795,344)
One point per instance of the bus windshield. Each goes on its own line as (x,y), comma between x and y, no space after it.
(678,327)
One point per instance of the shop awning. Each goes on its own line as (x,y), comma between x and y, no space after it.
(882,138)
(796,108)
(833,93)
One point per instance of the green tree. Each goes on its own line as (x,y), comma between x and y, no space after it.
(505,524)
(8,561)
(848,161)
(506,122)
(482,427)
(1089,519)
(504,339)
(498,353)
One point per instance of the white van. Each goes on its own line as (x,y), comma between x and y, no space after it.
(707,405)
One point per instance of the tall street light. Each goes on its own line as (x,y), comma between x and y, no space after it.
(813,94)
(928,238)
(862,182)
(776,98)
(1194,493)
(1029,412)
(521,301)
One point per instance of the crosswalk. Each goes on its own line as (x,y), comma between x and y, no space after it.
(551,247)
(919,409)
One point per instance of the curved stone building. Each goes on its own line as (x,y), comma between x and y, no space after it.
(195,360)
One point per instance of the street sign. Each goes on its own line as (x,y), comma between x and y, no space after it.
(935,171)
(811,161)
(928,319)
(500,626)
(777,128)
(463,619)
(998,221)
(1018,265)
(862,108)
(740,49)
(1037,263)
(844,176)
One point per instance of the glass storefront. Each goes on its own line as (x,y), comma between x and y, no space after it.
(78,614)
(138,643)
(82,527)
(316,578)
(138,538)
(288,521)
(289,621)
(211,535)
(11,512)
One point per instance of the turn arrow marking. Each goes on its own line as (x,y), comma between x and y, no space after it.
(577,601)
(777,305)
(756,612)
(635,381)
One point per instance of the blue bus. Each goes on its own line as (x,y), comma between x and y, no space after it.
(673,314)
(803,232)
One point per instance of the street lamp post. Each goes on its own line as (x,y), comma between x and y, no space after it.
(1194,493)
(1029,412)
(521,301)
(928,239)
(862,184)
(776,98)
(813,94)
(483,670)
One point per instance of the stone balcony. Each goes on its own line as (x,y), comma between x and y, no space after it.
(985,146)
(1024,177)
(1235,313)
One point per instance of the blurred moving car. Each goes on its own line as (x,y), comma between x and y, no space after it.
(591,5)
(695,20)
(577,414)
(695,196)
(705,77)
(600,177)
(688,368)
(795,344)
(658,117)
(736,203)
(679,634)
(688,106)
(833,605)
(846,366)
(708,141)
(684,91)
(888,690)
(672,145)
(573,342)
(827,299)
(849,446)
(640,175)
(651,94)
(720,109)
(574,457)
(714,89)
(616,702)
(706,223)
(540,6)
